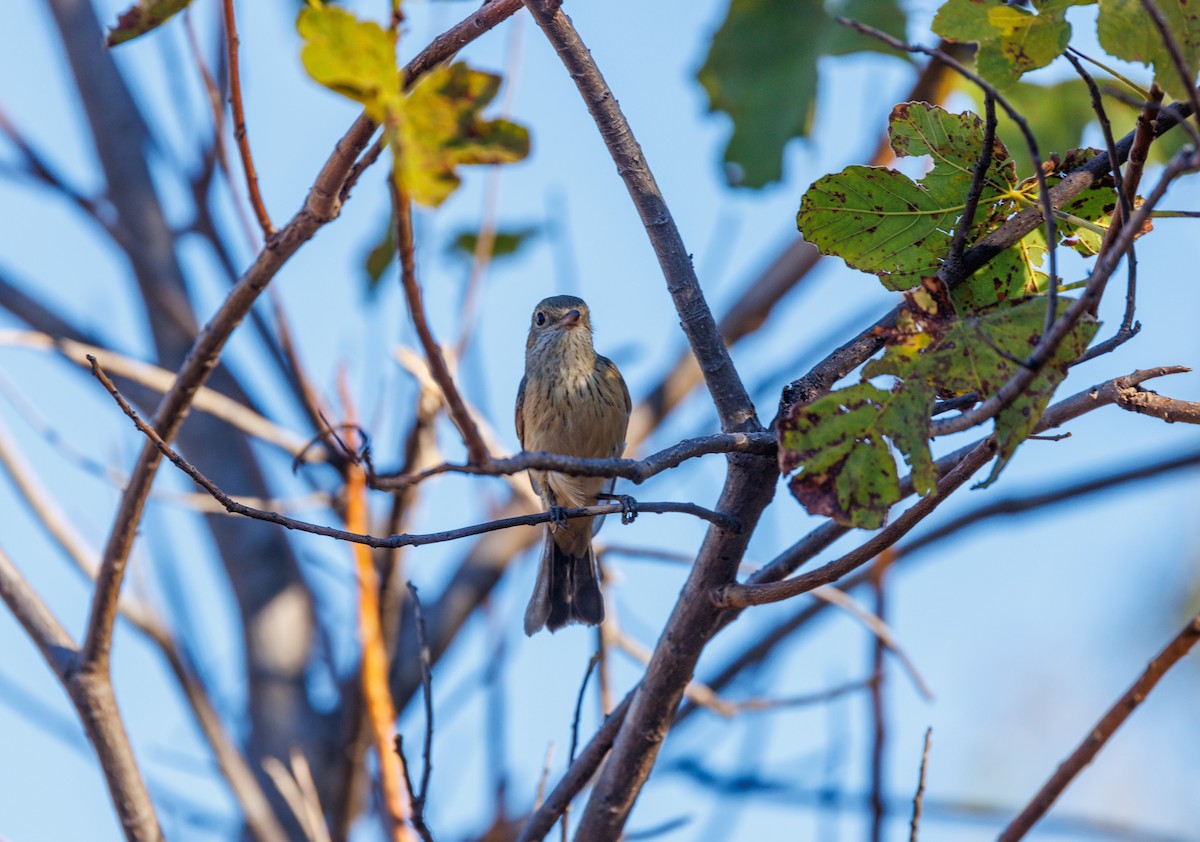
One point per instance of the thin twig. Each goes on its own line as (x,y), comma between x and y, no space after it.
(978,177)
(239,122)
(477,451)
(1103,730)
(206,400)
(587,674)
(741,596)
(1125,198)
(878,712)
(420,797)
(919,798)
(637,470)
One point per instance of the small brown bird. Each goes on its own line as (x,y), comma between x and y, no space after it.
(571,401)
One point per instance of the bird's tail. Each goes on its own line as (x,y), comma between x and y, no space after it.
(567,590)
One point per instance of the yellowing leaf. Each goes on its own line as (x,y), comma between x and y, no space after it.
(438,126)
(355,58)
(1012,39)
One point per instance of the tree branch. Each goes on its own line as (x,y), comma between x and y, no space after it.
(239,122)
(637,470)
(92,694)
(1103,730)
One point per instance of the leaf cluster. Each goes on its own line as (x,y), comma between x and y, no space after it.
(947,343)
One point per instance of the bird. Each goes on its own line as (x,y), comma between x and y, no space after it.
(571,401)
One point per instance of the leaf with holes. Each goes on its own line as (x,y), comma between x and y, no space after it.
(839,448)
(980,354)
(881,221)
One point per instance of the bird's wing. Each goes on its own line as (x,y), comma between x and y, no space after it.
(521,413)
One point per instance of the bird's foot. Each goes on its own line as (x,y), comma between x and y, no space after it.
(558,517)
(629,510)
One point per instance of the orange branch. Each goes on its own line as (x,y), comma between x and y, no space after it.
(381,711)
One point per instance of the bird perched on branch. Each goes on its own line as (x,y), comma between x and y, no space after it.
(574,402)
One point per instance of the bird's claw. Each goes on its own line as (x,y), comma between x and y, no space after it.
(629,510)
(558,517)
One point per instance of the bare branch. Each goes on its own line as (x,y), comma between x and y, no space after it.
(919,798)
(637,470)
(92,694)
(1103,730)
(239,122)
(402,209)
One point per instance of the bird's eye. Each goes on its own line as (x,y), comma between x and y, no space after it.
(540,318)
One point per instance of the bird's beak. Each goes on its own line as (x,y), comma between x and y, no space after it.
(570,319)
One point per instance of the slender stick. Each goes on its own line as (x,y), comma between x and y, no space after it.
(1100,734)
(477,451)
(239,122)
(638,470)
(373,666)
(919,798)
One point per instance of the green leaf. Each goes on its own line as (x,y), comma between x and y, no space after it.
(881,221)
(977,354)
(1127,32)
(504,244)
(1058,115)
(953,142)
(1013,274)
(438,126)
(839,443)
(761,70)
(1012,40)
(355,58)
(141,18)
